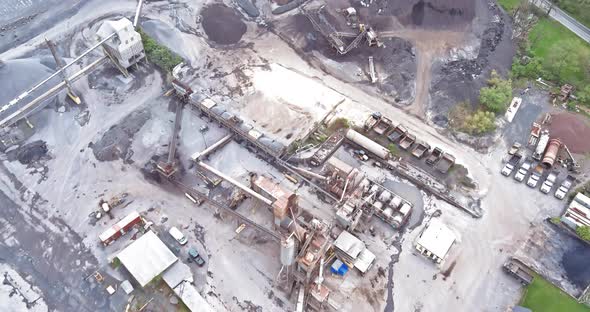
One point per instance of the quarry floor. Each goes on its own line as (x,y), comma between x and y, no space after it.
(49,201)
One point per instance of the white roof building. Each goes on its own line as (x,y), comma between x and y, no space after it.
(146,258)
(578,212)
(353,251)
(126,46)
(435,241)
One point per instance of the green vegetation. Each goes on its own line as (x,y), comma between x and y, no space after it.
(463,118)
(496,96)
(555,220)
(578,9)
(393,149)
(583,232)
(338,123)
(115,263)
(159,54)
(542,296)
(509,5)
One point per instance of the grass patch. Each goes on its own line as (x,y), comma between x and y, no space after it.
(562,54)
(116,263)
(542,296)
(578,9)
(509,5)
(159,54)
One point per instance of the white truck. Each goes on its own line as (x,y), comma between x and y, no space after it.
(535,177)
(511,164)
(523,171)
(564,187)
(548,184)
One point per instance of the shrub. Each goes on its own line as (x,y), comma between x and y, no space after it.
(393,149)
(480,122)
(159,54)
(583,232)
(496,96)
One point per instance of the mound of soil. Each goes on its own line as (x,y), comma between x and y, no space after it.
(573,130)
(115,143)
(29,153)
(222,24)
(433,14)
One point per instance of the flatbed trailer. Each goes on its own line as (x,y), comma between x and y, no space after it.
(407,141)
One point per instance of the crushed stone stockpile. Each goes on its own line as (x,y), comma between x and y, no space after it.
(222,24)
(115,143)
(571,130)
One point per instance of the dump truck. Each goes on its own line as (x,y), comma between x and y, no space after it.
(519,270)
(407,141)
(564,187)
(511,164)
(548,184)
(434,157)
(383,125)
(420,149)
(398,133)
(445,163)
(536,176)
(372,121)
(523,170)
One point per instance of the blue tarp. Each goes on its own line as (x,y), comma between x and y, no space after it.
(338,267)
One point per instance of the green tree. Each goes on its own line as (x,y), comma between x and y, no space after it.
(583,232)
(584,95)
(480,122)
(532,69)
(566,60)
(496,96)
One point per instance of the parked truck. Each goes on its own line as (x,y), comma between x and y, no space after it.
(420,149)
(434,157)
(523,170)
(541,145)
(397,134)
(548,184)
(407,141)
(519,270)
(511,164)
(536,176)
(445,163)
(564,187)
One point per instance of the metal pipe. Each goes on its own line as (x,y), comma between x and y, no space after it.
(235,182)
(137,12)
(51,91)
(59,64)
(196,156)
(29,91)
(344,190)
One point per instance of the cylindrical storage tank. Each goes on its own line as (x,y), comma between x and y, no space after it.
(385,196)
(374,189)
(551,153)
(378,205)
(387,213)
(405,209)
(395,202)
(364,184)
(397,221)
(287,251)
(368,144)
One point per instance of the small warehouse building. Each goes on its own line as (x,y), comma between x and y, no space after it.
(578,212)
(435,241)
(353,252)
(146,258)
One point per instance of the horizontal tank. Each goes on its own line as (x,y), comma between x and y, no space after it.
(541,145)
(551,153)
(405,209)
(378,205)
(388,212)
(395,202)
(374,189)
(385,196)
(368,144)
(287,251)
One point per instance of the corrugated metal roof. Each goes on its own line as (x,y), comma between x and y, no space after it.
(146,258)
(437,238)
(349,244)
